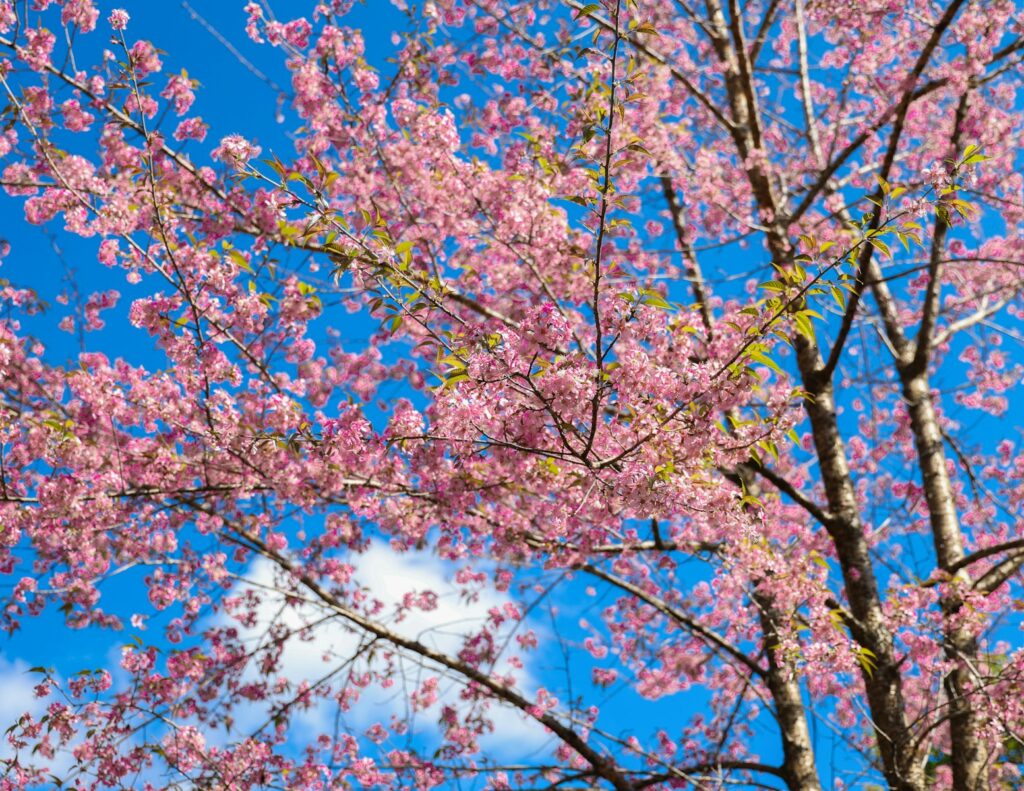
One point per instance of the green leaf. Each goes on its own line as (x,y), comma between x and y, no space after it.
(804,325)
(657,301)
(239,260)
(770,447)
(276,165)
(768,362)
(866,659)
(882,246)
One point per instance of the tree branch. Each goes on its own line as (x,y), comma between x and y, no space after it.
(678,617)
(794,494)
(661,60)
(603,766)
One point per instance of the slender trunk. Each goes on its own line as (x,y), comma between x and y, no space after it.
(968,756)
(883,683)
(799,769)
(798,765)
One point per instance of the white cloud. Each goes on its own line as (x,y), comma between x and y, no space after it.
(388,575)
(18,684)
(17,696)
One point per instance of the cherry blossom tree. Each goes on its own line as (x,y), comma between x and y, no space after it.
(692,365)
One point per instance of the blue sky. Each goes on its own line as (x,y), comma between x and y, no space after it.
(232,99)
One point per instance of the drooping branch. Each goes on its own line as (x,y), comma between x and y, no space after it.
(602,765)
(714,640)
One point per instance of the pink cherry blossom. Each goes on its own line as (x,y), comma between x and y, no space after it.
(118,19)
(612,395)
